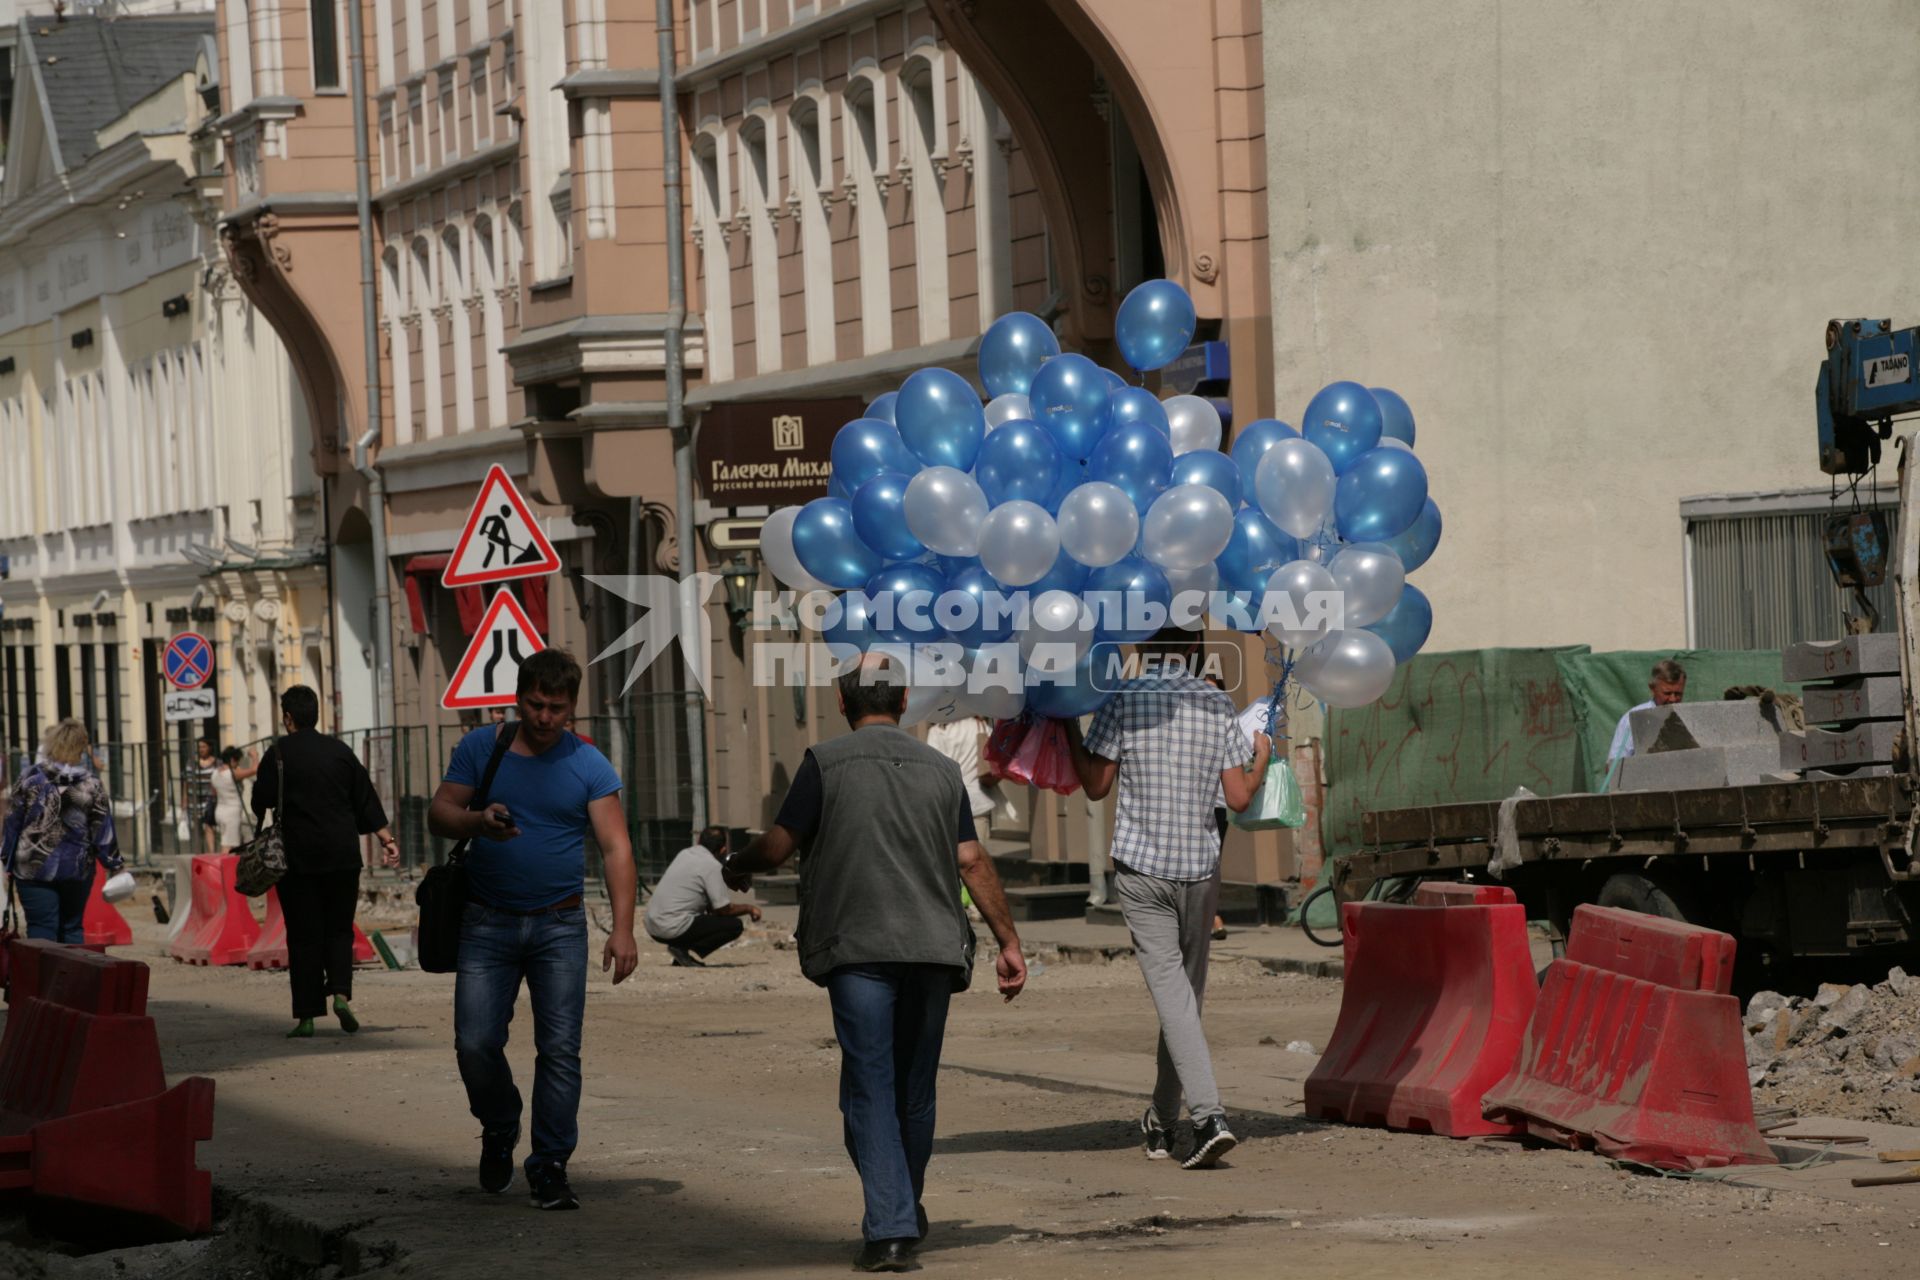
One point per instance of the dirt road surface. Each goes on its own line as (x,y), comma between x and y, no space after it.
(711,1146)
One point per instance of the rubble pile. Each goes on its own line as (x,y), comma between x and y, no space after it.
(1848,1051)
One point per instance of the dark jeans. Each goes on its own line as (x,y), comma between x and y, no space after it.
(54,908)
(549,951)
(319,908)
(890,1019)
(707,934)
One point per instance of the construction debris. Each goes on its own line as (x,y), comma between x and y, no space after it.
(1847,1051)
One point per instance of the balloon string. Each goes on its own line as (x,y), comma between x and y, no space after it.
(1276,703)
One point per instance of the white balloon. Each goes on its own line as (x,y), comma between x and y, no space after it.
(776,548)
(1307,602)
(1393,442)
(996,684)
(945,509)
(1190,591)
(1098,523)
(1370,577)
(1192,423)
(1348,668)
(1294,483)
(1019,543)
(1057,618)
(932,704)
(1187,526)
(1006,408)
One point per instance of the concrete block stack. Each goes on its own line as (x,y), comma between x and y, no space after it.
(1702,744)
(1852,706)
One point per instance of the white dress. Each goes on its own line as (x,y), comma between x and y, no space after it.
(226,807)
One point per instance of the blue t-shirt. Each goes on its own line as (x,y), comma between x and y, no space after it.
(547,795)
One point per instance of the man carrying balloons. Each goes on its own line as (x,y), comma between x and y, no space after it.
(1172,743)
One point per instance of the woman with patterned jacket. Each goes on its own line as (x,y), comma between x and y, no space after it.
(58,823)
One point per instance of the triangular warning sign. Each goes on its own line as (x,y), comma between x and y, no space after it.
(501,539)
(489,671)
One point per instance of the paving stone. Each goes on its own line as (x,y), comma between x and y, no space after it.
(1686,725)
(1869,743)
(1869,655)
(1699,767)
(1868,698)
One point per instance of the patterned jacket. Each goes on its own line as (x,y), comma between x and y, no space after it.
(59,821)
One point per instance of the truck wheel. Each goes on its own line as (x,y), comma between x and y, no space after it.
(1630,891)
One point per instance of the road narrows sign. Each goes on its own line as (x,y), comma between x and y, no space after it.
(501,540)
(490,668)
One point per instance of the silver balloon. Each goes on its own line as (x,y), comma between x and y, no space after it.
(1294,483)
(1059,630)
(945,509)
(1302,603)
(1192,423)
(1187,526)
(996,681)
(1370,578)
(1190,591)
(1007,408)
(776,548)
(1019,543)
(1347,669)
(933,704)
(1098,523)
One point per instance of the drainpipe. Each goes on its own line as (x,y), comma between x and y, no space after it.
(376,483)
(677,380)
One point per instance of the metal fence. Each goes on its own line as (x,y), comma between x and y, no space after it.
(158,796)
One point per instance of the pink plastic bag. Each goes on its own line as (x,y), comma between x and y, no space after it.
(1053,762)
(1004,743)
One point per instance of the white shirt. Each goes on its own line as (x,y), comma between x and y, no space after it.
(959,741)
(1623,734)
(692,886)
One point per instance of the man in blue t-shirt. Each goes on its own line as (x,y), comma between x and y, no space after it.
(526,873)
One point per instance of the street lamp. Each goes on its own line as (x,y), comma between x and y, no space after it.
(739,575)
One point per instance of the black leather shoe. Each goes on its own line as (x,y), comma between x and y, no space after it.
(887,1255)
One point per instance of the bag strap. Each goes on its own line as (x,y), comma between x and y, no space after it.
(502,741)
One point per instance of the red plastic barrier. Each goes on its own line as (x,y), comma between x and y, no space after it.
(220,928)
(83,1041)
(362,948)
(1435,1003)
(269,951)
(104,924)
(1458,893)
(1635,1048)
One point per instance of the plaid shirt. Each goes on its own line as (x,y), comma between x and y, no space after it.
(1171,737)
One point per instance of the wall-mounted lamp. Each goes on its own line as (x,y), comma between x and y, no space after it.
(739,575)
(175,306)
(6,365)
(82,339)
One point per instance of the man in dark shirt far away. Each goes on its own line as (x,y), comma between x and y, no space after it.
(887,836)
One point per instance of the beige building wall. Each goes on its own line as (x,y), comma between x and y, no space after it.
(1596,248)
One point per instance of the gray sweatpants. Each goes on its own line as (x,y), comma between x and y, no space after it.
(1172,926)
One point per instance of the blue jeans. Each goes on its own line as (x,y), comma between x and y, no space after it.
(497,950)
(55,908)
(890,1019)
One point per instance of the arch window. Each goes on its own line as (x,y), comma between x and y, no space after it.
(866,148)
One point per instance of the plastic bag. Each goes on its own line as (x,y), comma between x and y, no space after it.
(1278,803)
(1053,761)
(1034,751)
(1004,743)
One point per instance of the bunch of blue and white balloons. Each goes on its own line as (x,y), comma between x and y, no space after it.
(1070,484)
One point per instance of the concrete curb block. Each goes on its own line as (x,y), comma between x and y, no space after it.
(1080,953)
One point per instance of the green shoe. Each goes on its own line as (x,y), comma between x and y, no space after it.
(344,1011)
(302,1031)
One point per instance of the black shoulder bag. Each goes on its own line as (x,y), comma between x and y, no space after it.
(263,859)
(442,895)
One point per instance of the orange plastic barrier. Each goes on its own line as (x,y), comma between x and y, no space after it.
(1435,1002)
(1635,1048)
(104,925)
(220,928)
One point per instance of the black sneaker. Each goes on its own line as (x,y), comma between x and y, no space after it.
(547,1187)
(685,959)
(886,1255)
(496,1158)
(1153,1137)
(1211,1140)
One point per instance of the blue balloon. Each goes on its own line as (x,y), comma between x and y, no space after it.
(1019,460)
(950,565)
(1415,544)
(864,448)
(1396,419)
(880,520)
(829,546)
(1069,397)
(1407,627)
(1380,496)
(1209,467)
(1256,549)
(1344,420)
(902,597)
(837,487)
(1067,695)
(1136,459)
(1012,350)
(848,624)
(988,623)
(1130,585)
(1251,443)
(941,419)
(1072,476)
(1154,324)
(882,407)
(1137,404)
(1240,608)
(1067,574)
(1114,381)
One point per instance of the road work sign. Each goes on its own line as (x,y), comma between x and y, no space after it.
(501,541)
(490,669)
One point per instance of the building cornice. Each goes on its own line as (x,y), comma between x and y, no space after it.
(868,373)
(100,176)
(601,344)
(456,460)
(805,32)
(310,203)
(271,108)
(639,82)
(490,157)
